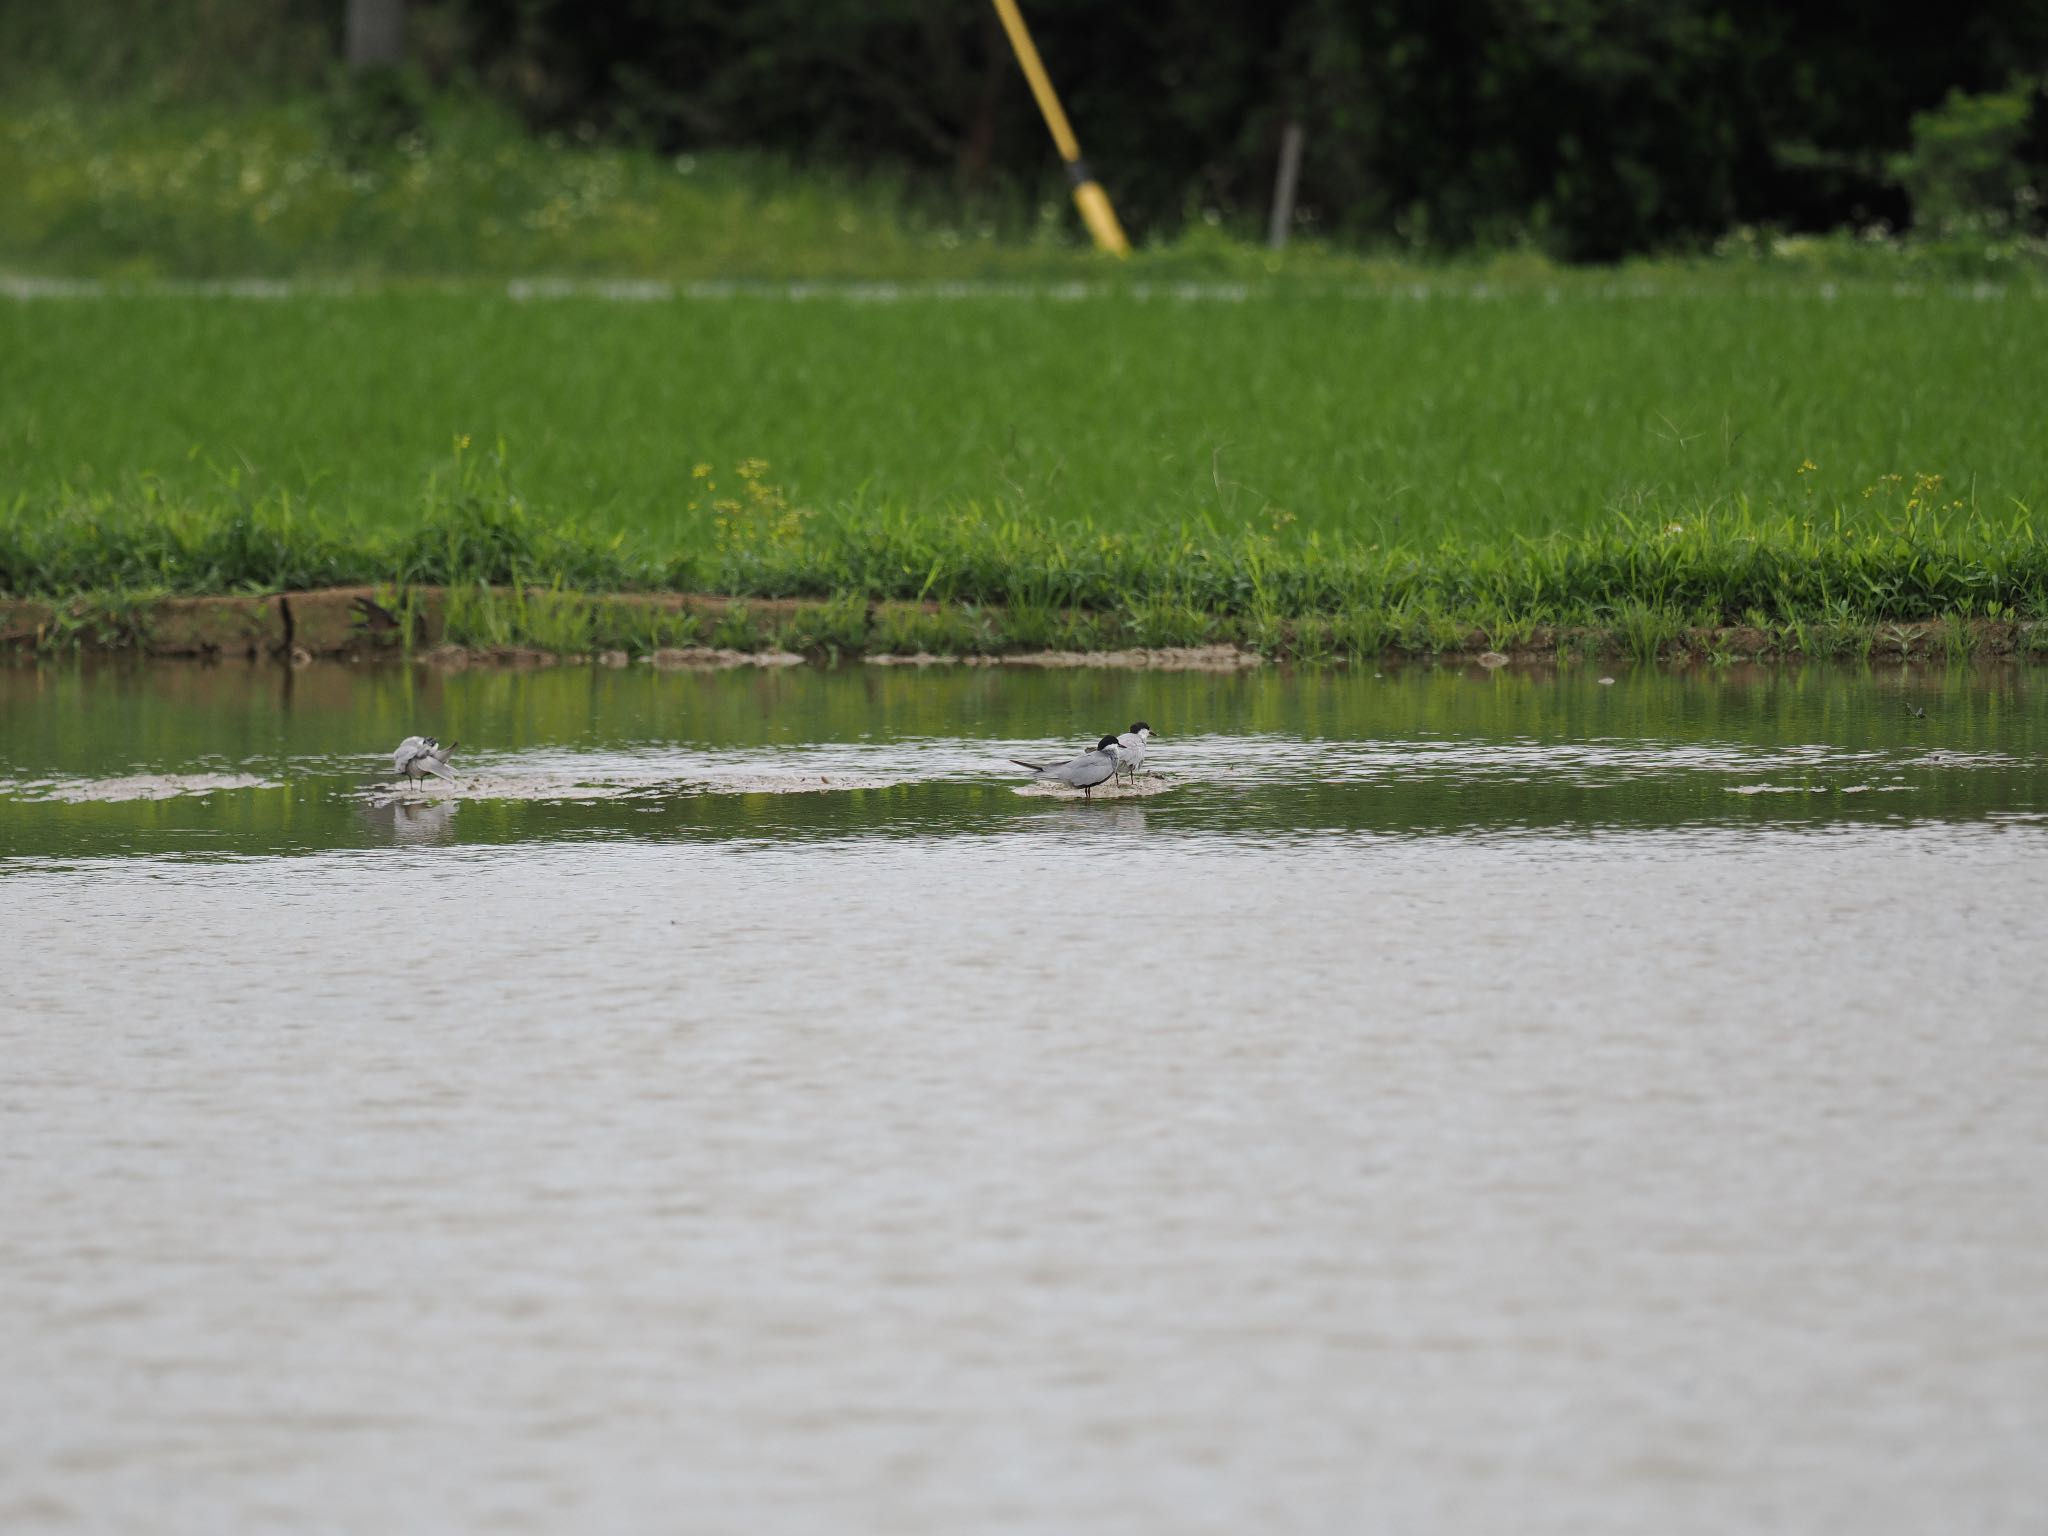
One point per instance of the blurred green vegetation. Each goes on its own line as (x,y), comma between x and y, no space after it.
(1969,170)
(326,187)
(182,192)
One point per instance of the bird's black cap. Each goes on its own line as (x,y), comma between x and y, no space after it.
(1106,742)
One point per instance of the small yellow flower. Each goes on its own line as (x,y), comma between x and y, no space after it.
(700,471)
(462,443)
(1807,466)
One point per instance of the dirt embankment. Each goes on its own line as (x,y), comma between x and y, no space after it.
(364,623)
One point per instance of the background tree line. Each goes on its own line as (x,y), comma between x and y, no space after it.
(1590,127)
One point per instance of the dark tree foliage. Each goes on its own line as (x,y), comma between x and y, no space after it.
(1594,126)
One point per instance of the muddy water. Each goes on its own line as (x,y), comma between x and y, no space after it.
(1454,1102)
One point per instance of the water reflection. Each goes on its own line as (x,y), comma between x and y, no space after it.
(408,819)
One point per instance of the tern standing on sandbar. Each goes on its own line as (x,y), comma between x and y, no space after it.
(1131,750)
(420,755)
(1091,768)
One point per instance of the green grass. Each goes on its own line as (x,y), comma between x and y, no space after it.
(1379,418)
(1323,455)
(1820,583)
(1306,471)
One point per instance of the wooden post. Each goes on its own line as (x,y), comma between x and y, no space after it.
(376,34)
(1284,185)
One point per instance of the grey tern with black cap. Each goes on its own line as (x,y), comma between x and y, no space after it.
(1131,749)
(1095,766)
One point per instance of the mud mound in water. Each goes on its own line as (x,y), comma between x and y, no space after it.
(573,786)
(1147,785)
(140,786)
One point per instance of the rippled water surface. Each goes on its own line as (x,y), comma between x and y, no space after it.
(1451,1102)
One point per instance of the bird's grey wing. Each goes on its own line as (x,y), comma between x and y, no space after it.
(1102,768)
(428,763)
(1085,771)
(1034,767)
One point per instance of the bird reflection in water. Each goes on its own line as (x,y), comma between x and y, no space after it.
(410,819)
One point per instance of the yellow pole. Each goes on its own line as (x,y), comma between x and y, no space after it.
(1089,197)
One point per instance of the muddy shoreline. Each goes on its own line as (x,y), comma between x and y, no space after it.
(367,623)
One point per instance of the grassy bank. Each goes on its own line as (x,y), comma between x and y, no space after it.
(970,581)
(1303,470)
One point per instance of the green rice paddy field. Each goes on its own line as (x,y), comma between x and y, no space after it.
(1394,462)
